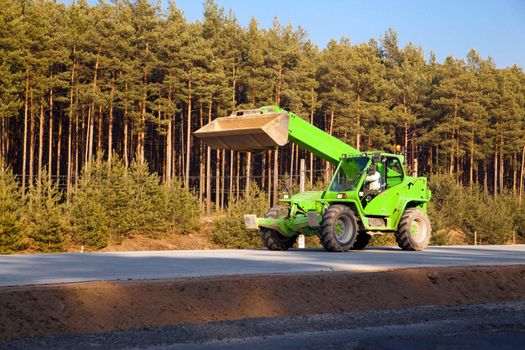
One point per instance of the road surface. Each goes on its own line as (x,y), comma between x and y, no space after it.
(467,327)
(62,268)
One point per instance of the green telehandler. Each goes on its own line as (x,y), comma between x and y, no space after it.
(370,192)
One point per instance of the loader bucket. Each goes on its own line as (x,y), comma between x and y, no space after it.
(251,132)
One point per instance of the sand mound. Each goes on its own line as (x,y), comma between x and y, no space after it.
(106,306)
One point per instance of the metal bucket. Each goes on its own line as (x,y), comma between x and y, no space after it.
(246,132)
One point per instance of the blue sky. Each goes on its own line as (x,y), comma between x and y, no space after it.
(448,27)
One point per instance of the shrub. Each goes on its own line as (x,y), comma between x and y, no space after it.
(11,203)
(112,203)
(182,207)
(147,210)
(229,230)
(44,217)
(457,213)
(100,205)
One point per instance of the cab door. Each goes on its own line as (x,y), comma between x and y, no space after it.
(384,203)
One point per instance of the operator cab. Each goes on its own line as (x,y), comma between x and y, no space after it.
(391,172)
(357,174)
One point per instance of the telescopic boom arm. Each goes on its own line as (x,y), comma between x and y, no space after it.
(268,127)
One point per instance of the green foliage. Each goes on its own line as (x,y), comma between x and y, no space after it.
(11,204)
(44,217)
(229,230)
(182,207)
(112,203)
(146,210)
(100,205)
(458,213)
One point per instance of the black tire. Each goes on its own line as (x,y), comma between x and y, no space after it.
(414,230)
(361,241)
(272,239)
(338,231)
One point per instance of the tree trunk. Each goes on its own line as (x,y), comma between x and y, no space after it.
(275,176)
(263,166)
(201,160)
(437,159)
(91,119)
(208,181)
(32,142)
(471,163)
(50,143)
(522,176)
(357,124)
(223,166)
(501,167)
(217,179)
(59,145)
(412,151)
(169,141)
(238,175)
(188,139)
(452,148)
(77,146)
(182,153)
(208,168)
(330,131)
(110,121)
(292,159)
(514,172)
(496,171)
(142,127)
(485,177)
(24,154)
(230,191)
(85,140)
(40,142)
(100,131)
(312,111)
(70,130)
(125,147)
(248,172)
(430,161)
(91,116)
(234,83)
(270,178)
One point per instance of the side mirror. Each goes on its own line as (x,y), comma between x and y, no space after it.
(376,158)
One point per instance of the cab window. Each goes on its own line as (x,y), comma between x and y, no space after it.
(394,172)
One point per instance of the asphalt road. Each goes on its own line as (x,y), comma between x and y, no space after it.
(61,268)
(468,327)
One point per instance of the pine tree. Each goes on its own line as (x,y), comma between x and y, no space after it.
(44,219)
(11,208)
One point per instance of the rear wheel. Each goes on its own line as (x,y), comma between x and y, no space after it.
(338,231)
(361,241)
(272,239)
(414,230)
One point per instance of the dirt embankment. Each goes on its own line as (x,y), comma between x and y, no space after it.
(106,306)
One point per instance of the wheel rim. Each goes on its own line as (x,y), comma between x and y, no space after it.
(344,230)
(418,230)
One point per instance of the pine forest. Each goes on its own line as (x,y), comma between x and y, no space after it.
(123,84)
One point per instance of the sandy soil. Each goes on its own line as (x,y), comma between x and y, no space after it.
(106,306)
(174,241)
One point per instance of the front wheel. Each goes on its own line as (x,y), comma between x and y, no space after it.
(272,239)
(414,230)
(338,231)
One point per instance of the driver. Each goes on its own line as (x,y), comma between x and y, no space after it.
(373,179)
